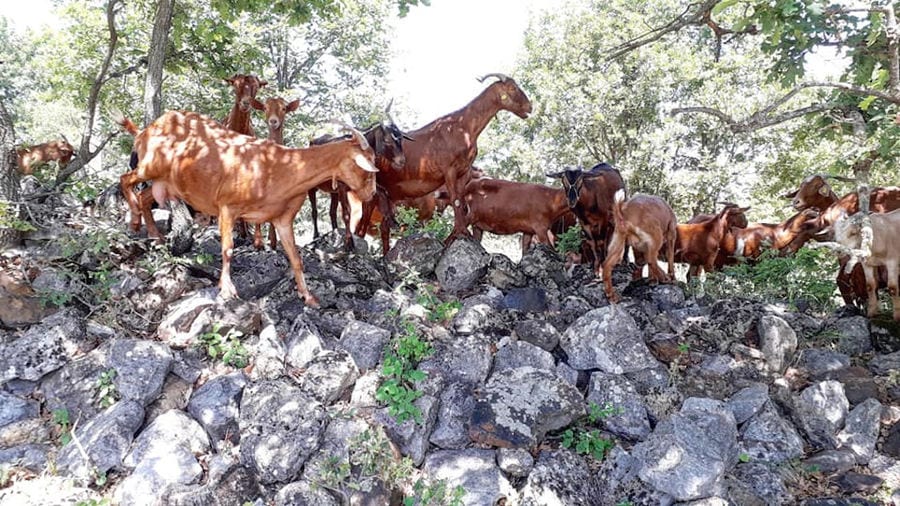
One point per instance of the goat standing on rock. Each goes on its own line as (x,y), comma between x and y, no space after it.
(223,173)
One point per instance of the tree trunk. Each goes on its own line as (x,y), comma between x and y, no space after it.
(9,179)
(156,58)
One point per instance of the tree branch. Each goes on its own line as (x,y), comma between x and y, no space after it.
(686,18)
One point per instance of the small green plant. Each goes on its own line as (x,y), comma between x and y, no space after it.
(94,502)
(684,347)
(435,493)
(8,219)
(624,503)
(586,441)
(408,222)
(400,374)
(743,457)
(106,394)
(228,347)
(569,241)
(61,419)
(438,310)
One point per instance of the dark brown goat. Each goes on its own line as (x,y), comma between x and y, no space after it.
(698,243)
(510,207)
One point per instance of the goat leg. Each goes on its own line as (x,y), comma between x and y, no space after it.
(286,232)
(257,236)
(893,272)
(314,211)
(273,239)
(226,224)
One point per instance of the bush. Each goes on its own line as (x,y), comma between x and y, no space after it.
(569,241)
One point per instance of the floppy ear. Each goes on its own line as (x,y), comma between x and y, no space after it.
(824,190)
(293,105)
(555,175)
(790,195)
(256,104)
(364,163)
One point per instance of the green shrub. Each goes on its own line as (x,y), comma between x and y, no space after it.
(400,373)
(569,241)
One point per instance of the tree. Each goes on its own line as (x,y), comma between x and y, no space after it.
(156,57)
(9,180)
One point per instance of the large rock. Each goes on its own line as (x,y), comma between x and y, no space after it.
(608,339)
(854,337)
(73,387)
(301,493)
(411,436)
(884,364)
(328,375)
(767,437)
(861,430)
(105,440)
(817,361)
(540,333)
(688,456)
(518,354)
(451,427)
(516,409)
(821,410)
(141,368)
(778,340)
(44,347)
(748,401)
(216,406)
(416,252)
(465,359)
(475,471)
(365,343)
(629,419)
(280,428)
(561,477)
(462,265)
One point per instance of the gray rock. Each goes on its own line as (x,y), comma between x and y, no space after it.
(14,409)
(882,365)
(280,428)
(519,353)
(861,430)
(465,359)
(515,462)
(504,273)
(301,493)
(170,430)
(561,477)
(181,326)
(748,401)
(364,390)
(757,484)
(477,313)
(821,410)
(235,485)
(474,470)
(540,333)
(339,440)
(328,375)
(767,437)
(688,457)
(141,368)
(74,386)
(516,409)
(44,347)
(855,483)
(568,374)
(410,436)
(667,297)
(529,299)
(818,361)
(543,265)
(854,338)
(269,355)
(462,264)
(451,429)
(365,343)
(418,252)
(35,492)
(607,339)
(105,439)
(830,462)
(303,344)
(629,419)
(188,364)
(778,340)
(29,456)
(216,406)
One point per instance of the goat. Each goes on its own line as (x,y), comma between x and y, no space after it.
(220,172)
(698,243)
(443,151)
(815,192)
(590,196)
(749,242)
(29,158)
(275,109)
(510,207)
(647,224)
(885,253)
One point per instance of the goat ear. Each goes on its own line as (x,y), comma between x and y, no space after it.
(364,163)
(790,195)
(293,105)
(262,83)
(824,190)
(555,175)
(256,104)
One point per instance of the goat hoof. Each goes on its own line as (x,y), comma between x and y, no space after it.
(311,301)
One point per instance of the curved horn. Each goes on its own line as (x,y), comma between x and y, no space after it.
(387,112)
(502,77)
(360,138)
(839,178)
(64,137)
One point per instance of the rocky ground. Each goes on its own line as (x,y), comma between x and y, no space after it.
(124,380)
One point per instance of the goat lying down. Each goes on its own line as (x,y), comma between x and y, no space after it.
(885,252)
(222,173)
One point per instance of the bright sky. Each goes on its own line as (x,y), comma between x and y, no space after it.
(440,49)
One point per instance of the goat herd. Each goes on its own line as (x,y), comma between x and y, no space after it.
(223,170)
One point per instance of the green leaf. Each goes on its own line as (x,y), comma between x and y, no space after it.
(721,6)
(866,102)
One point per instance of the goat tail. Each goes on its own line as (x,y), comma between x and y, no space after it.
(128,125)
(618,215)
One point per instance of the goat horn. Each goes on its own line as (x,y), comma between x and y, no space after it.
(727,204)
(387,112)
(360,138)
(839,178)
(502,77)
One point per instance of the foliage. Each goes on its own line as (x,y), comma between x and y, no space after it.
(60,417)
(94,502)
(8,219)
(806,276)
(570,240)
(437,311)
(399,372)
(587,441)
(106,392)
(228,348)
(435,493)
(438,226)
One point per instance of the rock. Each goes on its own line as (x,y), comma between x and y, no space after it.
(816,361)
(44,347)
(141,368)
(504,273)
(363,394)
(629,417)
(665,348)
(854,338)
(268,355)
(105,439)
(302,344)
(181,326)
(858,382)
(365,343)
(35,493)
(14,409)
(882,365)
(543,265)
(560,477)
(517,409)
(301,493)
(21,310)
(854,483)
(568,374)
(465,359)
(838,501)
(475,471)
(280,428)
(861,430)
(688,457)
(757,484)
(235,485)
(891,444)
(216,406)
(748,401)
(477,314)
(540,333)
(328,375)
(821,410)
(410,436)
(451,427)
(767,437)
(515,462)
(29,456)
(830,462)
(778,341)
(519,353)
(175,395)
(74,386)
(462,264)
(607,339)
(527,300)
(418,252)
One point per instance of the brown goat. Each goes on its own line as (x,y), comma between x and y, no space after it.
(223,173)
(698,243)
(647,224)
(443,151)
(885,253)
(749,242)
(510,207)
(29,158)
